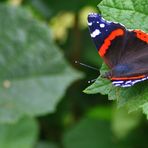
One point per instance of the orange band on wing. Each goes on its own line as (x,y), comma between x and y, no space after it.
(128,78)
(141,35)
(107,41)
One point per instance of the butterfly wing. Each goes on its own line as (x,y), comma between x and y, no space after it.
(133,64)
(135,55)
(124,51)
(109,38)
(132,56)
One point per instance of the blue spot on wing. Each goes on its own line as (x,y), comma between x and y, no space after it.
(121,69)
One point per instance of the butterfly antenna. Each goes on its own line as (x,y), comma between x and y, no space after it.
(85,65)
(91,81)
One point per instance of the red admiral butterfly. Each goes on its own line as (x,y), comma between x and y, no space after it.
(124,51)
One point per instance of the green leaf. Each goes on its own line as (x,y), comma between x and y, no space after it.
(129,12)
(46,145)
(33,75)
(102,86)
(20,135)
(89,133)
(145,109)
(123,122)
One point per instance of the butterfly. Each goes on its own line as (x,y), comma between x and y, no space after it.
(124,51)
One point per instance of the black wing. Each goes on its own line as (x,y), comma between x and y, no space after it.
(133,56)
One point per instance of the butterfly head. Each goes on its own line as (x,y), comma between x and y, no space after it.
(100,28)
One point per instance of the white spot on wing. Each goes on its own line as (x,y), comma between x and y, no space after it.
(139,80)
(102,25)
(117,82)
(143,79)
(109,22)
(136,81)
(127,82)
(95,33)
(126,85)
(89,23)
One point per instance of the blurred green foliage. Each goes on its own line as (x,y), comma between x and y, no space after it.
(41,100)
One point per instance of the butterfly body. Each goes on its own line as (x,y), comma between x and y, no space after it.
(124,51)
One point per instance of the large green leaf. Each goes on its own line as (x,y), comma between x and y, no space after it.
(46,145)
(123,122)
(131,13)
(20,135)
(33,74)
(89,133)
(92,133)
